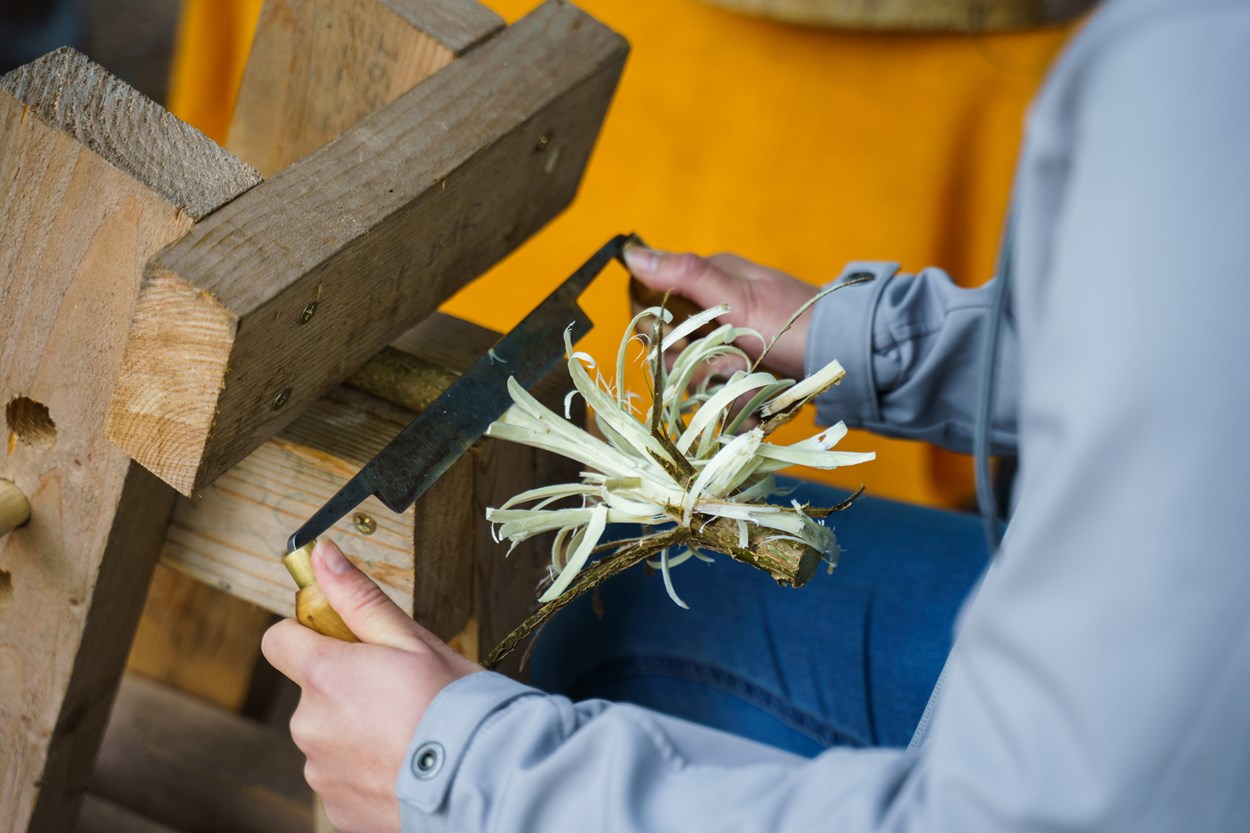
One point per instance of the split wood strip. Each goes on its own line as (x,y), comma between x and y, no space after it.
(94,179)
(916,15)
(189,765)
(319,66)
(316,68)
(375,229)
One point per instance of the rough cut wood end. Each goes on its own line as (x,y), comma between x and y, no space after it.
(127,129)
(165,400)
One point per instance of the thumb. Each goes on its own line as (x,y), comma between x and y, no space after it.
(364,608)
(686,274)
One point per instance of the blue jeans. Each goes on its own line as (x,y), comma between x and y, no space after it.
(847,660)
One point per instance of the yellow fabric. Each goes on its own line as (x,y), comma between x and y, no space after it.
(799,147)
(214,38)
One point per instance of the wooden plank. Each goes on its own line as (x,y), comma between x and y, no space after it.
(319,66)
(375,229)
(915,15)
(94,179)
(198,639)
(191,766)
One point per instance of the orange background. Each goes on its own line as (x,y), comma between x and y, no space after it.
(801,148)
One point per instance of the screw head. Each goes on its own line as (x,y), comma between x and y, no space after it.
(365,523)
(281,399)
(543,141)
(308,313)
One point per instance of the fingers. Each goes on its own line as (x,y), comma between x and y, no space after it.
(370,614)
(686,274)
(290,647)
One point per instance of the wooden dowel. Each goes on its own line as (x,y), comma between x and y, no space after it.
(14,508)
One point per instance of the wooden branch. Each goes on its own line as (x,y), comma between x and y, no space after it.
(319,66)
(94,179)
(375,229)
(787,561)
(590,578)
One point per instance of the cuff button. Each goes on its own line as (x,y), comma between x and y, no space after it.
(427,760)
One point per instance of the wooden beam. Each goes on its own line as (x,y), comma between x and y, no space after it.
(319,66)
(275,299)
(191,766)
(94,179)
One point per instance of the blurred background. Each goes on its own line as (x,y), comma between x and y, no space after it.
(801,146)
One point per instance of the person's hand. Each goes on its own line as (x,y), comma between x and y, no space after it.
(759,297)
(359,703)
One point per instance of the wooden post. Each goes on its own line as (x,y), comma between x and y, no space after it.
(276,298)
(94,179)
(319,66)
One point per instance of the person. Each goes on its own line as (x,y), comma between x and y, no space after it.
(1099,677)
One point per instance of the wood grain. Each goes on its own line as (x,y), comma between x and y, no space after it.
(14,507)
(319,66)
(93,180)
(177,761)
(916,15)
(198,639)
(376,228)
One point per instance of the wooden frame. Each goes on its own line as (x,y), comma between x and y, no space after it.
(97,180)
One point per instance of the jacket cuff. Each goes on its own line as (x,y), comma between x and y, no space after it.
(442,738)
(841,329)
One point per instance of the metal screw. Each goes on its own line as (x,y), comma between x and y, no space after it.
(543,141)
(365,523)
(281,399)
(308,313)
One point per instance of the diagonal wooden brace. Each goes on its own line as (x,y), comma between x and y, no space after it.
(278,296)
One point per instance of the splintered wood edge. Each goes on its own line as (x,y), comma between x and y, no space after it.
(164,403)
(71,93)
(458,25)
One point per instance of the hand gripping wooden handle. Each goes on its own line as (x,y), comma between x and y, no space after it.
(312,608)
(14,508)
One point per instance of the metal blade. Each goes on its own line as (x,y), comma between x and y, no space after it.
(443,432)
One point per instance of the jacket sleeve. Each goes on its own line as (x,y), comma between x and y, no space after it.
(1102,677)
(913,349)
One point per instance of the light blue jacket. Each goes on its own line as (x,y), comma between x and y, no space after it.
(1102,681)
